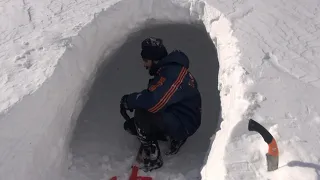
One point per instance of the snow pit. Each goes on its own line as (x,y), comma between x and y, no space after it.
(36,132)
(100,145)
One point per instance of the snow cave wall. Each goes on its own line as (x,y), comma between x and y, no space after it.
(37,148)
(99,144)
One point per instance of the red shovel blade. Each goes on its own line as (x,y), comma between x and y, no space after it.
(134,175)
(144,178)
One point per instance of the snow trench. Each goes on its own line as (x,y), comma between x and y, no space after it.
(89,75)
(100,143)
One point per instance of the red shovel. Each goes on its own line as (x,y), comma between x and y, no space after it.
(134,175)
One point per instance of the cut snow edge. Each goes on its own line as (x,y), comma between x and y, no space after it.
(37,130)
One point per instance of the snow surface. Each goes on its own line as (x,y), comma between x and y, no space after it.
(268,54)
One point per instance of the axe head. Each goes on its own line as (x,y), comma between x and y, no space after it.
(272,162)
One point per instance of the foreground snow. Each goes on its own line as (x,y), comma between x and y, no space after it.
(269,71)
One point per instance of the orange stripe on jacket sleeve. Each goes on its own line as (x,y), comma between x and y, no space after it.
(170,92)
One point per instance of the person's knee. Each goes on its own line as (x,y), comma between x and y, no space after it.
(147,121)
(141,113)
(146,116)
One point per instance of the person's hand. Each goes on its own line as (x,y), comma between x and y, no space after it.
(124,107)
(123,102)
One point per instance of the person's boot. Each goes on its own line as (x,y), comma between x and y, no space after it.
(151,155)
(175,146)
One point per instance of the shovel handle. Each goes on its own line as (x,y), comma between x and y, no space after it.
(124,114)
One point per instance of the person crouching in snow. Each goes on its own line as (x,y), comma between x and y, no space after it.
(169,109)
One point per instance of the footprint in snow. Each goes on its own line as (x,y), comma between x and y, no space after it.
(3,78)
(25,60)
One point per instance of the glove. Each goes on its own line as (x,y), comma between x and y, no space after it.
(124,103)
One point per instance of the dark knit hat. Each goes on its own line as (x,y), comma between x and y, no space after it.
(153,49)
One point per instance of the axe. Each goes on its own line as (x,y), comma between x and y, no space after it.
(273,152)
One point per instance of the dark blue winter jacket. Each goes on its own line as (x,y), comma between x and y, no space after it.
(174,93)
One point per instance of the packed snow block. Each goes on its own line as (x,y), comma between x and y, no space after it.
(36,130)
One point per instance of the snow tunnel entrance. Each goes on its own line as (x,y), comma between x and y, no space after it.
(100,147)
